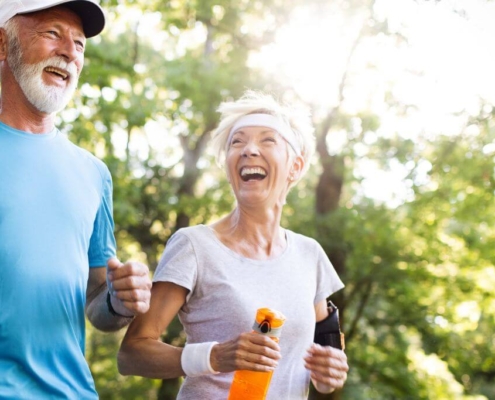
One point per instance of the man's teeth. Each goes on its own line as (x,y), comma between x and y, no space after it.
(252,171)
(57,71)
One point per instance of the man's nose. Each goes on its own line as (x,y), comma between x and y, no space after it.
(68,50)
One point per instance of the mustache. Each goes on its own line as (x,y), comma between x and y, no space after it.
(59,63)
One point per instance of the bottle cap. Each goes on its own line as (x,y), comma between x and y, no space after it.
(269,322)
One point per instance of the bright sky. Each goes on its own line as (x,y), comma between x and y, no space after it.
(445,68)
(452,49)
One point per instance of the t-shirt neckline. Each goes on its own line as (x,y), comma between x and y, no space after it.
(27,135)
(210,231)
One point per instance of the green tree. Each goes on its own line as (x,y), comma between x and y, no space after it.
(417,309)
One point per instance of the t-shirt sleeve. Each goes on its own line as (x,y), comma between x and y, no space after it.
(102,244)
(178,263)
(328,282)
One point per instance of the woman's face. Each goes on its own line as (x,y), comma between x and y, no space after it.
(259,167)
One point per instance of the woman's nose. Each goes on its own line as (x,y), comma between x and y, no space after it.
(250,150)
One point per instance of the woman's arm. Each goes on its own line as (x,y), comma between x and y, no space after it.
(142,352)
(328,366)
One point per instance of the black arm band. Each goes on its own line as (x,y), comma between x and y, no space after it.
(327,332)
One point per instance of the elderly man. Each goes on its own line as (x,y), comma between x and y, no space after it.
(57,248)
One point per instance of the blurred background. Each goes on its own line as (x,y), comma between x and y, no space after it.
(401,190)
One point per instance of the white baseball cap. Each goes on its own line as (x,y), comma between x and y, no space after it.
(90,12)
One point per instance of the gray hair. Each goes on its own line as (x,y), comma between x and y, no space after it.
(252,102)
(11,28)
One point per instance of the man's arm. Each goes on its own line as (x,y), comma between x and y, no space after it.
(130,294)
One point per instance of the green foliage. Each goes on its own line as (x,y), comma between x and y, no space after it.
(418,310)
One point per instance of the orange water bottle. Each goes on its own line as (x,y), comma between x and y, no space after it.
(253,385)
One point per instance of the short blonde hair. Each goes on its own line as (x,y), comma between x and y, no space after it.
(253,102)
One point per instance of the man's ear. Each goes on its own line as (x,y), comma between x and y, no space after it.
(3,44)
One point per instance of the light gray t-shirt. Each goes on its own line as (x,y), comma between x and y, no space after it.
(226,289)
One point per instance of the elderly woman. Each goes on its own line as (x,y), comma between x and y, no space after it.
(216,276)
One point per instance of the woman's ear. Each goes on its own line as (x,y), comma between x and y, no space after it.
(296,169)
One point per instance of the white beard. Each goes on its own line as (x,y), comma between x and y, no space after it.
(45,98)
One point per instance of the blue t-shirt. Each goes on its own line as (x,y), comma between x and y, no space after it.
(55,222)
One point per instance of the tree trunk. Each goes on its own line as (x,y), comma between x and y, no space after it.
(330,225)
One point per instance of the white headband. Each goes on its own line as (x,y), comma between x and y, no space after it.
(269,121)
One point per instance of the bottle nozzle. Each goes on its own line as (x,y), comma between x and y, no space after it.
(269,321)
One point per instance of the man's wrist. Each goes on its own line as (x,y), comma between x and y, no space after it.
(111,309)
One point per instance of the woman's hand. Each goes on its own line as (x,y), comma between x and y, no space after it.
(250,351)
(328,367)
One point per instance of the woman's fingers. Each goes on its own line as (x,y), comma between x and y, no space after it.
(250,351)
(327,365)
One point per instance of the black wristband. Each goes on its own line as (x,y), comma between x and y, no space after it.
(111,310)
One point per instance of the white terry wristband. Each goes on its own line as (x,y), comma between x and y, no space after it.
(195,359)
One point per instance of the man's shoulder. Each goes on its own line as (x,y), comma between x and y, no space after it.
(86,156)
